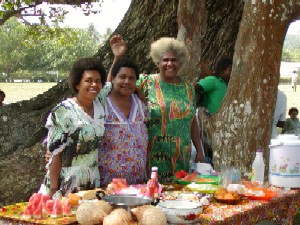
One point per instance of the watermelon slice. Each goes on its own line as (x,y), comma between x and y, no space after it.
(28,212)
(38,213)
(57,209)
(49,206)
(32,197)
(67,208)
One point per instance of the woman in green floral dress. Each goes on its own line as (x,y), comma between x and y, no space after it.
(171,102)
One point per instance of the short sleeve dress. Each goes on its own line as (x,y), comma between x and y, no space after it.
(123,153)
(78,137)
(171,111)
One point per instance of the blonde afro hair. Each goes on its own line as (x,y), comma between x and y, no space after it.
(166,44)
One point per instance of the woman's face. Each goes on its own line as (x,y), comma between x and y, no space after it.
(169,66)
(90,84)
(125,81)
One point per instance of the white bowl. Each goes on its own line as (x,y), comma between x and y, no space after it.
(181,211)
(203,168)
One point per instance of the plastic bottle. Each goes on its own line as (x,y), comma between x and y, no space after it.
(258,167)
(153,184)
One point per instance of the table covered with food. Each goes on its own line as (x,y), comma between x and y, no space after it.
(191,199)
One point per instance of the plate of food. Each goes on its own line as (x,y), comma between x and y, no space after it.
(229,197)
(260,194)
(172,187)
(184,178)
(203,188)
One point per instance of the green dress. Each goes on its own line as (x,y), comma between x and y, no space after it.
(171,110)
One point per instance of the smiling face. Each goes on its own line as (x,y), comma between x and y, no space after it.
(124,82)
(89,85)
(169,67)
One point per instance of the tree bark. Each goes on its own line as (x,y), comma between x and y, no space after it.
(245,117)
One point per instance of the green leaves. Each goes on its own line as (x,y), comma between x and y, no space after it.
(43,48)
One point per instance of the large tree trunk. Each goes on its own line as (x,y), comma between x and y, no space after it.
(245,117)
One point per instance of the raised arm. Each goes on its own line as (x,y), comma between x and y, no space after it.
(119,48)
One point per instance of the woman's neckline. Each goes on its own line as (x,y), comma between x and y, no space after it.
(88,110)
(178,80)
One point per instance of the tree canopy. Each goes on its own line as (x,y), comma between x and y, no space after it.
(28,51)
(23,9)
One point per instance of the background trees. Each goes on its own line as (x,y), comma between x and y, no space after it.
(28,52)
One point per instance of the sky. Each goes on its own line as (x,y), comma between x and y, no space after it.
(112,12)
(294,28)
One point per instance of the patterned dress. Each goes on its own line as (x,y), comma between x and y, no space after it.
(171,110)
(78,137)
(123,153)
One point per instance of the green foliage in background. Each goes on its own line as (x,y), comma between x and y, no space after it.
(39,49)
(291,48)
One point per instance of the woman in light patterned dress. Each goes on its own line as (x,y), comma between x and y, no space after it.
(123,153)
(76,127)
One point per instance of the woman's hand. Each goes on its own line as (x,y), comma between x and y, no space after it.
(118,46)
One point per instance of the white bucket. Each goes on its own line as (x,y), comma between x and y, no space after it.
(284,164)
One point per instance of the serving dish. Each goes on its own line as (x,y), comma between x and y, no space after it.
(229,197)
(199,179)
(127,201)
(228,201)
(181,211)
(203,188)
(260,194)
(172,187)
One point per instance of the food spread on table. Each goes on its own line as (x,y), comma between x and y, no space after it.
(99,206)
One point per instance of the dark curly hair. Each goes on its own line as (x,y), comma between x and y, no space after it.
(125,62)
(82,65)
(293,109)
